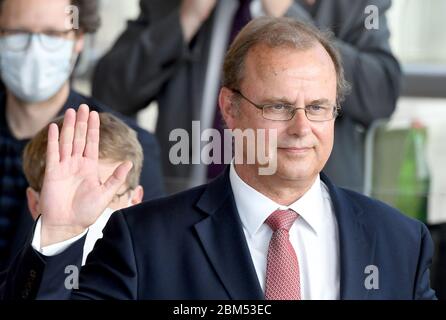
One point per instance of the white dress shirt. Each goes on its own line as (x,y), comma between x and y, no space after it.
(314,236)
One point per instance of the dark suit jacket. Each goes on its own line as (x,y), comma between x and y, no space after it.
(160,67)
(191,246)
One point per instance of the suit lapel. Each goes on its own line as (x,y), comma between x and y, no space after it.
(356,243)
(223,241)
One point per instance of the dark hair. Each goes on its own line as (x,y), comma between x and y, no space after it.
(277,33)
(89,19)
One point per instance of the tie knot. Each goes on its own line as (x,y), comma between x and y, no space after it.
(281,219)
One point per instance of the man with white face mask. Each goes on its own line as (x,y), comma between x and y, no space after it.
(35,66)
(118,144)
(39,45)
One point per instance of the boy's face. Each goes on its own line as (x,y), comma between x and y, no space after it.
(124,197)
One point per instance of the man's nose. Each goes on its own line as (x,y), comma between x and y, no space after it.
(299,125)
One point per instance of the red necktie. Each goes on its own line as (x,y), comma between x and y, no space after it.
(282,270)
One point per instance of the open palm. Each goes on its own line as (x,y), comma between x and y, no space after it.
(72,196)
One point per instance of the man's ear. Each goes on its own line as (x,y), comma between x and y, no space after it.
(137,195)
(32,197)
(227,108)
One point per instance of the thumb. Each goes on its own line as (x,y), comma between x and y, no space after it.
(117,179)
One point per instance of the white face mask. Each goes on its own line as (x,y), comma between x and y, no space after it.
(35,74)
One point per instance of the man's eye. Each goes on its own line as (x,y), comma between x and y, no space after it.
(315,108)
(280,107)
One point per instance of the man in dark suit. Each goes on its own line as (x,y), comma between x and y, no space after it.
(284,234)
(174,50)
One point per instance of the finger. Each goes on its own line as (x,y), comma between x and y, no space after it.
(66,134)
(116,180)
(52,147)
(92,146)
(80,130)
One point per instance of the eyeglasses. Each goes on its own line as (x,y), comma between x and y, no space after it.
(286,112)
(19,40)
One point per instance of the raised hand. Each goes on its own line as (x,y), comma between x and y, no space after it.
(72,196)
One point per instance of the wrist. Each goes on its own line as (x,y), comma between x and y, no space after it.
(55,234)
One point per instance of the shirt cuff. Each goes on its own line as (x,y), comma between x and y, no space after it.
(55,248)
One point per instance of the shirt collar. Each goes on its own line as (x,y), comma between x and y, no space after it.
(254,207)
